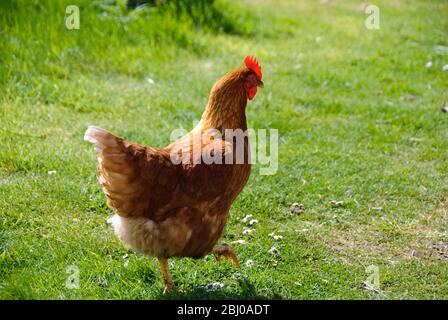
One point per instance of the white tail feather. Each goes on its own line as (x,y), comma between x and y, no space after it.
(100,138)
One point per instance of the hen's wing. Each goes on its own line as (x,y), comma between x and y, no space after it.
(206,175)
(142,181)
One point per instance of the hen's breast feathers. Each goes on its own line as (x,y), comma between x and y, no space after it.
(140,181)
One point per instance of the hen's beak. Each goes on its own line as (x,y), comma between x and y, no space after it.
(260,84)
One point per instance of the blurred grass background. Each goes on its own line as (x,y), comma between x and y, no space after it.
(357,111)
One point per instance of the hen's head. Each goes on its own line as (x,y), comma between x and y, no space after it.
(240,83)
(252,76)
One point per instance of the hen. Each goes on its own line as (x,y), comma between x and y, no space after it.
(174,202)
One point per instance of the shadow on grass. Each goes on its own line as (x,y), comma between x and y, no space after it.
(246,291)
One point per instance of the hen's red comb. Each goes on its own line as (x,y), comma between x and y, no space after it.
(252,63)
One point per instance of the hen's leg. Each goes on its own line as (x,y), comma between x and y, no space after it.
(227,252)
(168,282)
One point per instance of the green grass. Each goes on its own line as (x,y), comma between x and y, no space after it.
(358,118)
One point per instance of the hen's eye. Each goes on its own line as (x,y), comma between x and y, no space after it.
(250,77)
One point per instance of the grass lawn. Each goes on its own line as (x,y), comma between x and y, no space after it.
(359,121)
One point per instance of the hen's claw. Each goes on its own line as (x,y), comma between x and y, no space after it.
(168,288)
(224,250)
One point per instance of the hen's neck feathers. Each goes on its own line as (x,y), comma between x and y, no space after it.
(226,107)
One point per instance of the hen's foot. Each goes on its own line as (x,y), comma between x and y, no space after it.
(168,287)
(224,250)
(168,282)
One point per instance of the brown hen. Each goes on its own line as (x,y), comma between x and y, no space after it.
(174,202)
